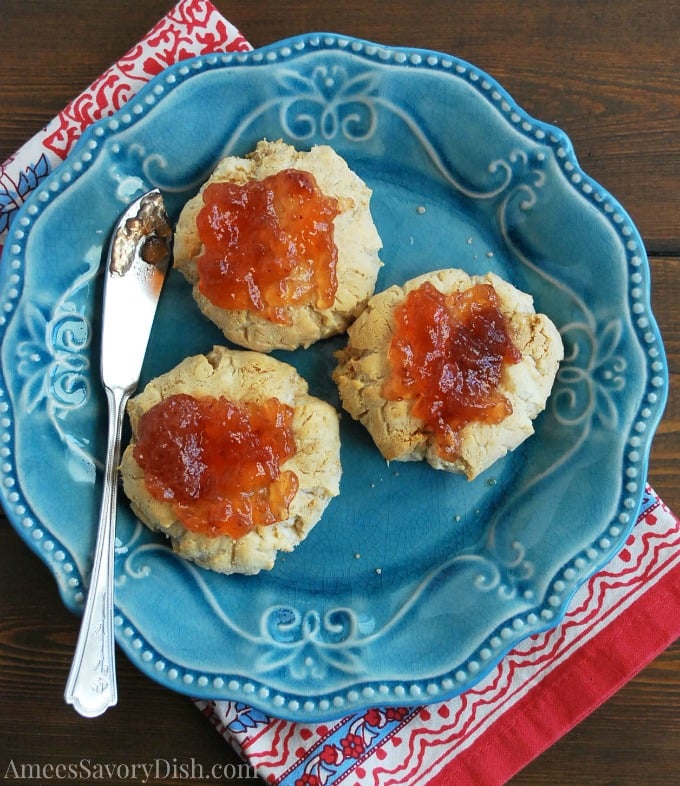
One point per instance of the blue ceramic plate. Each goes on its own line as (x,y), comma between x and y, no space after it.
(416,582)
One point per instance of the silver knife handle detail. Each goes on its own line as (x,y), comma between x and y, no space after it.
(91,686)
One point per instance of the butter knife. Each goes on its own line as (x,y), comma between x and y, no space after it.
(137,262)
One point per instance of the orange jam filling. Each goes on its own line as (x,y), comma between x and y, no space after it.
(447,355)
(218,463)
(268,245)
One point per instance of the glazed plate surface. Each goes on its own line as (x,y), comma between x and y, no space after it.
(415,582)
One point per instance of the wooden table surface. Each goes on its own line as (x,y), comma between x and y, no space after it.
(607,73)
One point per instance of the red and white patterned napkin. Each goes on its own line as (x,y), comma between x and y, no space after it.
(616,623)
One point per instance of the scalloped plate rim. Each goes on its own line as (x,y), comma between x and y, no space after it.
(65,579)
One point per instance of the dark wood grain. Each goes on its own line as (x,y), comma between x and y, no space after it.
(606,72)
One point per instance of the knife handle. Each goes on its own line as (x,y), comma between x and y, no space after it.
(91,686)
